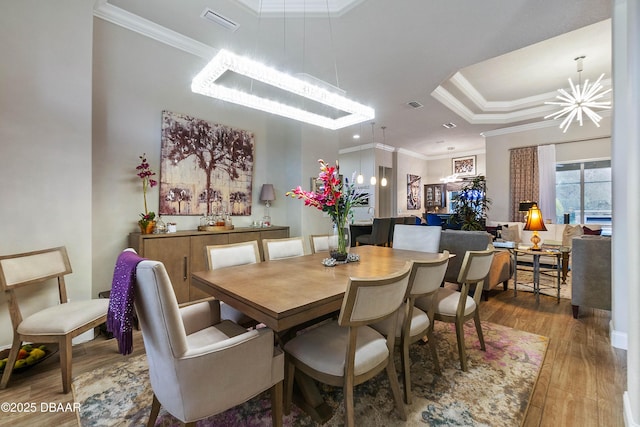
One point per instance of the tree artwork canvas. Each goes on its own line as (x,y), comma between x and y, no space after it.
(206,168)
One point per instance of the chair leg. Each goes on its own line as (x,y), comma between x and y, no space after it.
(11,361)
(476,319)
(66,351)
(155,410)
(461,348)
(289,379)
(349,415)
(395,388)
(404,348)
(276,404)
(434,351)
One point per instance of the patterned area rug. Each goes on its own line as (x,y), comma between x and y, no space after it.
(495,391)
(547,283)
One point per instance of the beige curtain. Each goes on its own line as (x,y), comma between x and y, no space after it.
(524,179)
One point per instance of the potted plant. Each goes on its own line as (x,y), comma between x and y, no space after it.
(147,219)
(470,205)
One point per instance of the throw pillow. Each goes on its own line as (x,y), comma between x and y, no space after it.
(510,234)
(591,232)
(570,231)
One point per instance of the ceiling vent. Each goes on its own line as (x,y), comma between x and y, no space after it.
(225,22)
(414,104)
(449,125)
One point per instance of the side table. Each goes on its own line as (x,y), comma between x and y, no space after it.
(536,269)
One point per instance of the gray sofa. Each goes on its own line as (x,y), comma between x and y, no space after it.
(458,242)
(591,281)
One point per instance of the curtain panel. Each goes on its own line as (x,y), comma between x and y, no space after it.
(523,165)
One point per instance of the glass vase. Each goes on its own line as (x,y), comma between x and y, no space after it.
(340,244)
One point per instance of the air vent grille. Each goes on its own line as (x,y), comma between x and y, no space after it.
(414,104)
(219,19)
(449,125)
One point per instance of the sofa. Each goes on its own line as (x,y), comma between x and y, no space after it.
(591,282)
(458,242)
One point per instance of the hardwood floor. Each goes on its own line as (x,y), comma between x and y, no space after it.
(581,382)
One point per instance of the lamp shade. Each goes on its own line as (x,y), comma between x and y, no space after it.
(534,219)
(267,193)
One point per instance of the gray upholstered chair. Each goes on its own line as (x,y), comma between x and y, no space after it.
(458,307)
(379,233)
(200,365)
(348,352)
(591,281)
(413,323)
(229,255)
(56,323)
(421,238)
(288,247)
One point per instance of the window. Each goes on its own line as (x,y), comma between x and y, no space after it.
(583,190)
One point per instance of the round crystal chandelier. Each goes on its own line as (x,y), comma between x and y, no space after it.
(581,101)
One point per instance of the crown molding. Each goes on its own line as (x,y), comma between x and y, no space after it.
(531,126)
(132,22)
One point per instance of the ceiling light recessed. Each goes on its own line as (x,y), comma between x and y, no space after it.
(213,16)
(414,104)
(449,125)
(356,136)
(451,148)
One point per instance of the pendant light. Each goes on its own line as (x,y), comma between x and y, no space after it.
(360,178)
(373,179)
(383,181)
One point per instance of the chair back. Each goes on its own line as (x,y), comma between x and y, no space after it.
(371,300)
(220,256)
(427,276)
(321,242)
(283,248)
(421,238)
(36,268)
(392,227)
(474,271)
(380,231)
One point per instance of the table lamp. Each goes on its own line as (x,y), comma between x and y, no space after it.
(535,223)
(267,195)
(524,206)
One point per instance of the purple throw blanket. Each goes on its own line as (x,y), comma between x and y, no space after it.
(120,314)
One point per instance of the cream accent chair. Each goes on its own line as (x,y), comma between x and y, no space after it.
(423,238)
(348,352)
(58,323)
(321,242)
(230,255)
(200,365)
(413,323)
(288,247)
(457,307)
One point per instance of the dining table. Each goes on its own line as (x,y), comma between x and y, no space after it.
(287,293)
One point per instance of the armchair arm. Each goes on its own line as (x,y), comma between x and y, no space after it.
(200,314)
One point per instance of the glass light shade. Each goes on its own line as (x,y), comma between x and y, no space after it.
(360,179)
(373,180)
(383,182)
(204,83)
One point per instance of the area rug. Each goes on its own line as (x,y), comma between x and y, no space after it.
(494,392)
(548,283)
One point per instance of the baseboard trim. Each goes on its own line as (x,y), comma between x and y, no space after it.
(618,339)
(628,415)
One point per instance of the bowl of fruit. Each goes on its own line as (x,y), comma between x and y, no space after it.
(28,356)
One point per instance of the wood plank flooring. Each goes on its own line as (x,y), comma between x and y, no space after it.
(581,382)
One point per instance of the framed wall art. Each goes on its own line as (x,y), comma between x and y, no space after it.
(414,201)
(464,166)
(205,167)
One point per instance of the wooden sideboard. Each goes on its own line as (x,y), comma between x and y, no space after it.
(184,252)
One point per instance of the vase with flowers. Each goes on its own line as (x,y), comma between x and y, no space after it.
(147,219)
(336,198)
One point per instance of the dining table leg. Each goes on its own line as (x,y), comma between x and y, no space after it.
(309,399)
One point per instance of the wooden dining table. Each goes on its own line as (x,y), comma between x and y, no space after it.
(286,293)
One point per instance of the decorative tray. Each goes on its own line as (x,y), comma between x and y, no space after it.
(4,354)
(215,227)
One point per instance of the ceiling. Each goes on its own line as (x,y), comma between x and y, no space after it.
(479,65)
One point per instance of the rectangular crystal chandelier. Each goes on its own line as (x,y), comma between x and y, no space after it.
(205,84)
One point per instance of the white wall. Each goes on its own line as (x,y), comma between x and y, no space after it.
(45,134)
(408,163)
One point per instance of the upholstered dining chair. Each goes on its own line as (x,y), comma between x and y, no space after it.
(321,242)
(423,238)
(413,323)
(58,323)
(288,247)
(348,352)
(379,233)
(392,228)
(199,364)
(458,307)
(229,255)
